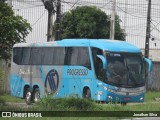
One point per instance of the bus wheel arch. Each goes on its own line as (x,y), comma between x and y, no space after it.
(86,92)
(36,93)
(25,89)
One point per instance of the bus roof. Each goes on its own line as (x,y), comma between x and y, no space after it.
(104,44)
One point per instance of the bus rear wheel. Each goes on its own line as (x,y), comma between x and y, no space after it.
(87,93)
(36,95)
(28,97)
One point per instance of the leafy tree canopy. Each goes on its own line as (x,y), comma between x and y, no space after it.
(88,22)
(13,29)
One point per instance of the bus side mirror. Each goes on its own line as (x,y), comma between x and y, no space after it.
(104,61)
(149,62)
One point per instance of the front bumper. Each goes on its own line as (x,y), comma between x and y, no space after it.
(112,97)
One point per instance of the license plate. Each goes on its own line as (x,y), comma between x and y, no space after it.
(127,98)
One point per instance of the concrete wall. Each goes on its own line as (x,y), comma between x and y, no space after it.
(154,79)
(154,54)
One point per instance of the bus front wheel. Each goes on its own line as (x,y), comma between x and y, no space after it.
(28,96)
(87,93)
(36,95)
(123,103)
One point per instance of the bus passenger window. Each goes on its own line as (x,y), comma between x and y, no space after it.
(74,56)
(36,56)
(83,57)
(47,56)
(25,56)
(17,55)
(61,56)
(78,56)
(58,56)
(53,56)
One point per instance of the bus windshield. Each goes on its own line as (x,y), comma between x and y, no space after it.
(125,70)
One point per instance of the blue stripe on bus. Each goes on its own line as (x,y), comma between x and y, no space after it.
(42,73)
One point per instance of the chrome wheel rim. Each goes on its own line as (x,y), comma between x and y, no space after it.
(28,96)
(36,97)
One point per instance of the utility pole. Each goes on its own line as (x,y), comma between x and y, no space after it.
(112,22)
(58,20)
(125,14)
(147,38)
(49,6)
(49,29)
(148,30)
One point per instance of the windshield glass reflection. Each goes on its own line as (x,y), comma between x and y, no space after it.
(125,70)
(135,70)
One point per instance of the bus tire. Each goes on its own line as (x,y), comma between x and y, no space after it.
(87,93)
(123,104)
(28,96)
(36,95)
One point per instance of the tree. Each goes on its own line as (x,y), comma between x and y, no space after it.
(88,22)
(119,32)
(13,29)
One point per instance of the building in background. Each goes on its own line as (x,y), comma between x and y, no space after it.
(133,14)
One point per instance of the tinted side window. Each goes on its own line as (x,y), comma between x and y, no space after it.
(58,56)
(53,56)
(72,56)
(36,55)
(61,55)
(17,55)
(78,56)
(83,57)
(25,55)
(47,56)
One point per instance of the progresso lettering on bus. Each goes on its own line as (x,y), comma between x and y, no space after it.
(80,72)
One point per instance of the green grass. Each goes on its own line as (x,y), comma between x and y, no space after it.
(133,107)
(73,104)
(67,104)
(9,98)
(76,104)
(152,96)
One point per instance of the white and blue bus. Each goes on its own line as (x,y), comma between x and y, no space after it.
(99,69)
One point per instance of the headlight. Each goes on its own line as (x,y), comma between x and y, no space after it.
(108,89)
(141,98)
